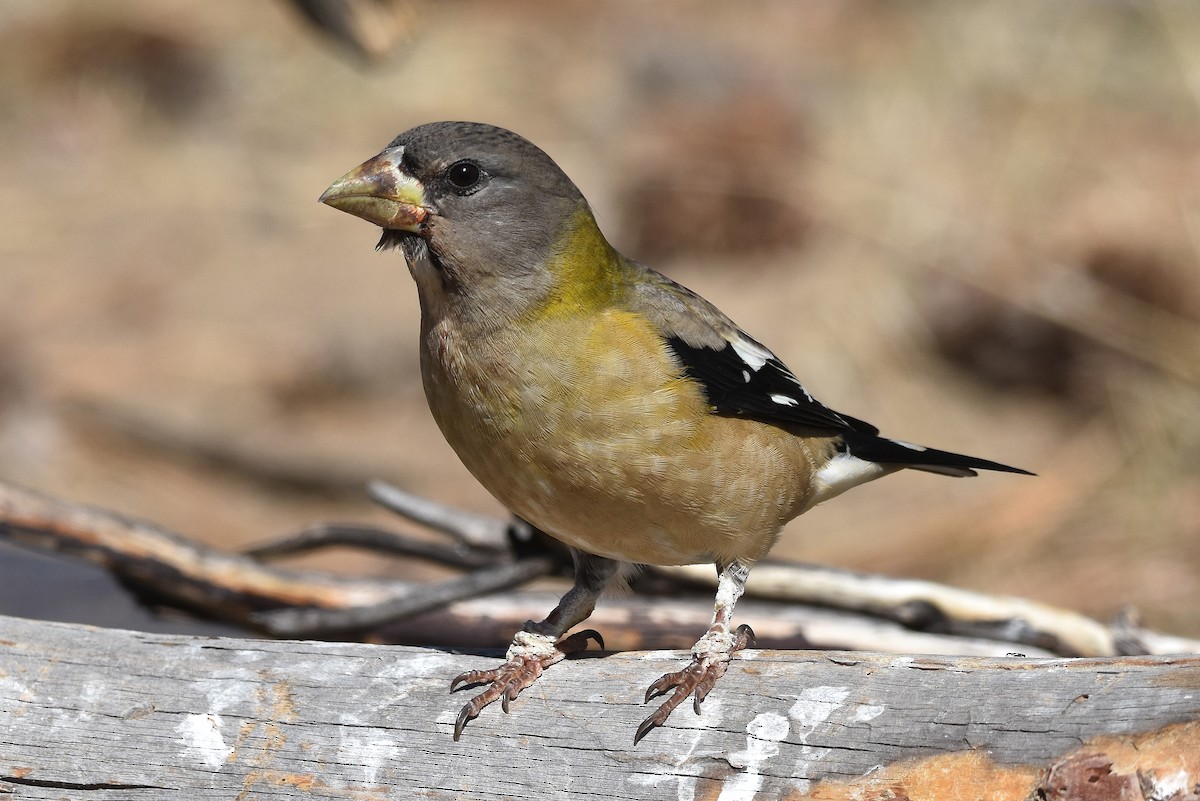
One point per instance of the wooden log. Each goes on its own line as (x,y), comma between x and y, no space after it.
(105,714)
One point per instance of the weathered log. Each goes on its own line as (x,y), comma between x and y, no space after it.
(106,714)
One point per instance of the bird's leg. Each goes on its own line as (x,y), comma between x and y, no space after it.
(710,654)
(538,646)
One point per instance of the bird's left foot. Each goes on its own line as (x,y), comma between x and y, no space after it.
(529,655)
(710,659)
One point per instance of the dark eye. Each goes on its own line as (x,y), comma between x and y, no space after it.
(464,175)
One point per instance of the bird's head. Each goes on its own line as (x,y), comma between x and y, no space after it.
(478,211)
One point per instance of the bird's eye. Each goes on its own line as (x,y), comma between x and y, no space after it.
(464,175)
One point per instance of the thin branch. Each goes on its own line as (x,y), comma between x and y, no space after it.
(324,535)
(632,623)
(236,588)
(171,568)
(927,606)
(309,622)
(478,531)
(920,605)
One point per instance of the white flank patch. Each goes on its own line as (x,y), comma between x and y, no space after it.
(753,354)
(784,400)
(844,472)
(746,376)
(202,740)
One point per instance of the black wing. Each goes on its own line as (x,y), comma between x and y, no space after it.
(744,379)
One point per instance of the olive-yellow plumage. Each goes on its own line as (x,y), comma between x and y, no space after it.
(582,420)
(597,399)
(606,444)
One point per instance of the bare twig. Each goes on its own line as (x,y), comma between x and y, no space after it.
(421,598)
(237,588)
(919,605)
(172,568)
(324,535)
(478,531)
(637,623)
(927,606)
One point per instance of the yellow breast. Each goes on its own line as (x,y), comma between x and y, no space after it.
(589,430)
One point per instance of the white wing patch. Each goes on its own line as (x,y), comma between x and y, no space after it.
(755,356)
(743,378)
(752,353)
(909,445)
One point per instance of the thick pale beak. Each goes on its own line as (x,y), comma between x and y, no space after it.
(380,191)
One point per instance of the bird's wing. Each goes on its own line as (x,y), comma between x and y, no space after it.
(740,376)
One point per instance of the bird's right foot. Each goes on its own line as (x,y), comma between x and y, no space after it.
(710,659)
(529,655)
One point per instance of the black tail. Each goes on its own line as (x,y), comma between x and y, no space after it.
(864,442)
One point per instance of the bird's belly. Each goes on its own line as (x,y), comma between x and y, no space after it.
(623,459)
(674,506)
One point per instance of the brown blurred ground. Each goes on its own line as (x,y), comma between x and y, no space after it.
(973,224)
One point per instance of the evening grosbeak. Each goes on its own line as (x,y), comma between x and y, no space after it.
(598,399)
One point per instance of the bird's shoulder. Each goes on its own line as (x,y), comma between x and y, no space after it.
(740,376)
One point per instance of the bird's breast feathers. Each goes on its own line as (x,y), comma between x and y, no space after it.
(592,430)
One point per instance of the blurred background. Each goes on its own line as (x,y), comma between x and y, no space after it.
(973,223)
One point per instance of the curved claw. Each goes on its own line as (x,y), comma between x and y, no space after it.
(683,687)
(465,714)
(743,637)
(579,640)
(514,689)
(473,677)
(662,684)
(507,681)
(706,683)
(644,728)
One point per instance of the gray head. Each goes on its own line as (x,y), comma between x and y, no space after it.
(479,202)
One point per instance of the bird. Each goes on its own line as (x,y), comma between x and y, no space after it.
(598,399)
